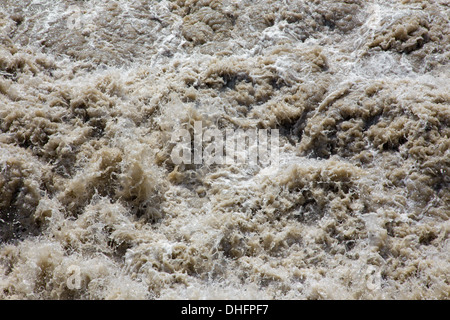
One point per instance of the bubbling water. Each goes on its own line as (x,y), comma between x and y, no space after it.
(93,205)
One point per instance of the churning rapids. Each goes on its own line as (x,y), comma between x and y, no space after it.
(92,205)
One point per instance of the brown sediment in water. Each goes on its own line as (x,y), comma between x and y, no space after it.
(358,208)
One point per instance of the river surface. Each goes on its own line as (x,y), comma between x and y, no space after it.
(93,205)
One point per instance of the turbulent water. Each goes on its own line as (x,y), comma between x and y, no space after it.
(92,205)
